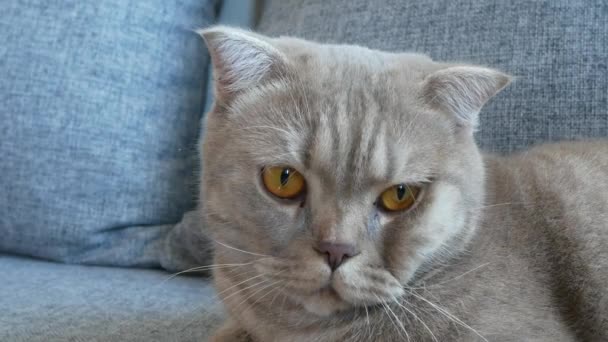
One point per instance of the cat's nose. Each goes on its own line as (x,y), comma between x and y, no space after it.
(336,253)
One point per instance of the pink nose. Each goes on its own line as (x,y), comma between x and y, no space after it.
(336,253)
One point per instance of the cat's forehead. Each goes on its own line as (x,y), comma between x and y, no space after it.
(364,138)
(347,114)
(322,60)
(348,135)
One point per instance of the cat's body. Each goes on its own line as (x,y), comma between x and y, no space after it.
(495,248)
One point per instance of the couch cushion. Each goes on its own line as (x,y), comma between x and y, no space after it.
(43,301)
(100,103)
(556,49)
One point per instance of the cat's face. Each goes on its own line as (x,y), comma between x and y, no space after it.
(339,172)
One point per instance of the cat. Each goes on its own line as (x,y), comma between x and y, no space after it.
(347,201)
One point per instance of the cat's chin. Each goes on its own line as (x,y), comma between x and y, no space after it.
(325,302)
(312,284)
(353,286)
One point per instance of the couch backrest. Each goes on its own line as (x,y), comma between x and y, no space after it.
(557,49)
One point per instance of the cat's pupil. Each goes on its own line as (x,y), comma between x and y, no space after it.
(285,176)
(401,191)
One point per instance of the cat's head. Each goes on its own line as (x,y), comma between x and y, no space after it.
(354,169)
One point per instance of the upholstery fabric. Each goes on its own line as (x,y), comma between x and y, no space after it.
(100,105)
(556,49)
(50,302)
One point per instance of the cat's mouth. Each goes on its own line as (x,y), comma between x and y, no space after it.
(324,302)
(347,291)
(324,292)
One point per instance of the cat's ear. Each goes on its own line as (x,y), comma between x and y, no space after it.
(463,90)
(241,60)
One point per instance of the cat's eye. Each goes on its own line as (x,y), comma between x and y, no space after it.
(283,181)
(398,197)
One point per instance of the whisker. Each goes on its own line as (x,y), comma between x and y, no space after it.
(397,320)
(448,315)
(217,299)
(424,286)
(253,294)
(269,292)
(245,288)
(240,250)
(280,290)
(498,205)
(418,319)
(124,324)
(524,204)
(387,315)
(283,303)
(235,285)
(195,319)
(203,268)
(460,276)
(368,325)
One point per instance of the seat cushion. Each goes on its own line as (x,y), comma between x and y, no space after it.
(44,301)
(556,49)
(100,107)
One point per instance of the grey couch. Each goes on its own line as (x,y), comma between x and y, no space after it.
(47,301)
(557,50)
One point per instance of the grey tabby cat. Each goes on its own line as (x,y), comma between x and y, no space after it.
(348,201)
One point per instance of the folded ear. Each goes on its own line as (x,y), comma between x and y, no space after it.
(241,60)
(463,90)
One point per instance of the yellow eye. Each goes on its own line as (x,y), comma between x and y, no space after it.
(283,181)
(399,197)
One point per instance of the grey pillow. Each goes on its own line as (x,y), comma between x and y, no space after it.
(100,105)
(557,50)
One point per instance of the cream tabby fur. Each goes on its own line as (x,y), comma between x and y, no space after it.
(497,248)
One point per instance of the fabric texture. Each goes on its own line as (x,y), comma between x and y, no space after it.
(556,50)
(48,302)
(186,245)
(100,105)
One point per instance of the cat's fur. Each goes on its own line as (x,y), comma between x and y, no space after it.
(498,248)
